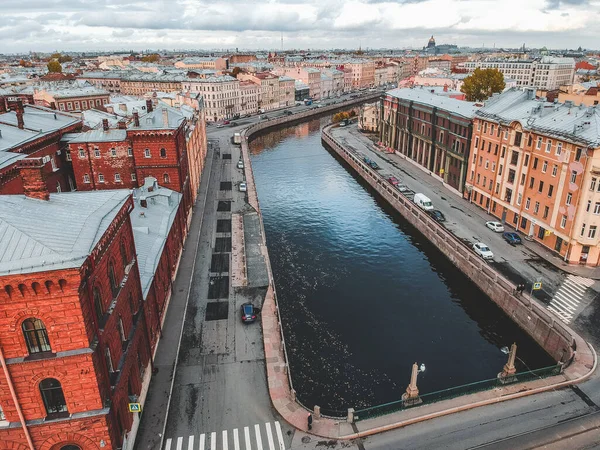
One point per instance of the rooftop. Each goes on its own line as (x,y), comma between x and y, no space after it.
(111,135)
(579,124)
(29,242)
(40,119)
(151,226)
(426,97)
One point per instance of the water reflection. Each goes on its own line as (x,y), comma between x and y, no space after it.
(363,295)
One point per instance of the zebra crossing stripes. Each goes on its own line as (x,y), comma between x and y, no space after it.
(265,436)
(568,296)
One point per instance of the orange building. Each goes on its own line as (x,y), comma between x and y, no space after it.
(536,166)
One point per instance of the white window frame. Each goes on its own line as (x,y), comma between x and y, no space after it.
(569,199)
(86,178)
(548,145)
(117,177)
(113,152)
(133,176)
(100,178)
(147,153)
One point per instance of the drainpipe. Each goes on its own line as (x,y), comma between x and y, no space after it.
(14,397)
(577,206)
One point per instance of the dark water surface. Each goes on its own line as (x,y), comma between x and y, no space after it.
(362,294)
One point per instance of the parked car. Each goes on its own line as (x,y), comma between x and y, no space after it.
(220,125)
(423,202)
(393,180)
(483,250)
(495,226)
(226,122)
(436,215)
(264,116)
(248,313)
(402,188)
(233,124)
(287,112)
(512,238)
(240,164)
(243,186)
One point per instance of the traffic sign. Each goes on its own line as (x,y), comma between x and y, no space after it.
(135,407)
(537,285)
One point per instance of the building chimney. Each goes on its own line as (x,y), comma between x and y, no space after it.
(445,88)
(34,178)
(149,105)
(165,115)
(105,124)
(136,119)
(20,111)
(143,202)
(122,125)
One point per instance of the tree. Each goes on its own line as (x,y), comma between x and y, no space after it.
(54,66)
(55,56)
(482,84)
(235,72)
(151,58)
(64,58)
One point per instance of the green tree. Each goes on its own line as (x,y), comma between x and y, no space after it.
(64,58)
(54,66)
(55,56)
(482,84)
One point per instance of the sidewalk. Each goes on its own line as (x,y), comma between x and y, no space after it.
(150,433)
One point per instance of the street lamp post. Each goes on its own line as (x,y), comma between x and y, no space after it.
(508,371)
(411,396)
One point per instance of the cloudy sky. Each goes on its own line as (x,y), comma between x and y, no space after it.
(47,25)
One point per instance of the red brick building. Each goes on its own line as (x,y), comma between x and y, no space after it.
(153,145)
(32,131)
(82,310)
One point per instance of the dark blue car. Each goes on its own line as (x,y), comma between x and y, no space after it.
(511,238)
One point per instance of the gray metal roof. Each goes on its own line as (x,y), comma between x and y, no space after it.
(38,235)
(38,118)
(426,97)
(151,226)
(100,135)
(579,124)
(161,118)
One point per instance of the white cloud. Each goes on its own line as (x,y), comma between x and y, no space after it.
(135,24)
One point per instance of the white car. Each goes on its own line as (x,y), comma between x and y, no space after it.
(483,250)
(220,125)
(240,164)
(495,226)
(243,186)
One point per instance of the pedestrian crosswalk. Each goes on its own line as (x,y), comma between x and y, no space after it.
(248,438)
(566,299)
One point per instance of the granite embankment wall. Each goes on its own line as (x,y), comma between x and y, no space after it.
(562,343)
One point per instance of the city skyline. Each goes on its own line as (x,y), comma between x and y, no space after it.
(80,25)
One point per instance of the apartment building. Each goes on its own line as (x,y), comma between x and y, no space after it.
(363,72)
(269,88)
(70,97)
(432,130)
(221,95)
(536,166)
(287,91)
(139,83)
(203,62)
(547,72)
(308,75)
(249,97)
(337,81)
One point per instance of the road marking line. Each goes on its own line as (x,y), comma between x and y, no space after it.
(570,295)
(566,301)
(191,442)
(563,303)
(179,442)
(270,436)
(236,440)
(573,285)
(561,315)
(213,440)
(202,438)
(587,282)
(560,310)
(247,438)
(279,435)
(224,439)
(168,444)
(258,438)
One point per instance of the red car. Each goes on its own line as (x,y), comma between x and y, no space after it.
(226,122)
(394,181)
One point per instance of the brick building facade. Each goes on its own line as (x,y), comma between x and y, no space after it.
(83,310)
(31,131)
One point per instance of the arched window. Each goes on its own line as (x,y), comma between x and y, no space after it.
(35,336)
(163,153)
(70,447)
(166,178)
(124,254)
(111,277)
(98,307)
(54,399)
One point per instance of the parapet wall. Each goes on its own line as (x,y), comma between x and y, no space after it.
(562,343)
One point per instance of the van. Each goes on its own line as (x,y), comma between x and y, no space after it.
(423,202)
